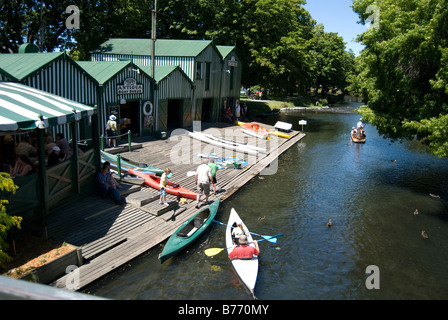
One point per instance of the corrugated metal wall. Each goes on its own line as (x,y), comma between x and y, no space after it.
(175,86)
(218,88)
(110,94)
(63,78)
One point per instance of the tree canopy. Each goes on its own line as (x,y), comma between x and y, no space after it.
(280,46)
(403,69)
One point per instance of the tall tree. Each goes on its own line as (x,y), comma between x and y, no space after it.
(331,63)
(406,78)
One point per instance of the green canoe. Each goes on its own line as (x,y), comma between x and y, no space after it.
(129,164)
(191,230)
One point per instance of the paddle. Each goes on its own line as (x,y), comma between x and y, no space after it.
(269,238)
(214,251)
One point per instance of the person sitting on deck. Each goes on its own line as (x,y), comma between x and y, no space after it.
(107,183)
(244,250)
(353,132)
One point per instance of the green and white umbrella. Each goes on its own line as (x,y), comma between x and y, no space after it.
(23,108)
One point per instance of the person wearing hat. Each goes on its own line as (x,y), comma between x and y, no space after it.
(244,250)
(111,130)
(56,156)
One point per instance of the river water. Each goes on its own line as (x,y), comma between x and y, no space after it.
(369,191)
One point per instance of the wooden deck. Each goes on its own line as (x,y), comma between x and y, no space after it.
(111,235)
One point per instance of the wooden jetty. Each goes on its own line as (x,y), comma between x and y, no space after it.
(111,235)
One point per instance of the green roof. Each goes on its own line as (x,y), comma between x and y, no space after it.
(20,66)
(161,72)
(164,47)
(103,71)
(225,50)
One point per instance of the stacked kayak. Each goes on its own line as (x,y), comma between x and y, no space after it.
(190,231)
(126,164)
(227,144)
(254,129)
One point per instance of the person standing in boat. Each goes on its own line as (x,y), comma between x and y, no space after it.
(244,250)
(163,182)
(359,129)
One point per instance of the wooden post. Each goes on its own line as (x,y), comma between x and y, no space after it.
(42,174)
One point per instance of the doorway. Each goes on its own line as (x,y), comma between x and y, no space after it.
(130,117)
(206,110)
(174,120)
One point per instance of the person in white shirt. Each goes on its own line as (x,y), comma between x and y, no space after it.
(202,179)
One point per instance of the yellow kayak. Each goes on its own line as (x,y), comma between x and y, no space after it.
(280,134)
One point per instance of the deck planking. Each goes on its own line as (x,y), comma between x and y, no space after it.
(112,235)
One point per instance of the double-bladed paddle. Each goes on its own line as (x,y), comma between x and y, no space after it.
(214,251)
(269,238)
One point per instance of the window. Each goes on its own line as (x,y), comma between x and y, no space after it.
(207,75)
(198,70)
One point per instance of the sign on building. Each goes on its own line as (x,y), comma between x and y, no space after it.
(130,86)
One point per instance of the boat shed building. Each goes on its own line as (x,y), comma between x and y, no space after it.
(122,90)
(201,61)
(173,98)
(231,76)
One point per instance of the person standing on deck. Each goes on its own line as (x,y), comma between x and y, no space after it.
(237,110)
(213,168)
(202,179)
(112,130)
(163,182)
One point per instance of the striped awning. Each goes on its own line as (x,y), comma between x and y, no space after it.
(23,108)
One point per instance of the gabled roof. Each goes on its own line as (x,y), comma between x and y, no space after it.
(103,71)
(20,107)
(161,72)
(20,66)
(163,47)
(225,50)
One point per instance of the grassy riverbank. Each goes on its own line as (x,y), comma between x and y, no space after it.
(257,107)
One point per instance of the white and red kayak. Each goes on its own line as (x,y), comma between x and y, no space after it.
(254,129)
(172,188)
(247,270)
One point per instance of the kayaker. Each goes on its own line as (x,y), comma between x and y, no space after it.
(237,231)
(163,182)
(244,250)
